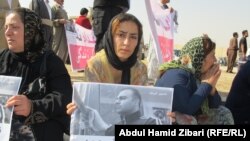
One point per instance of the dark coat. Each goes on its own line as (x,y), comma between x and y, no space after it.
(48,118)
(238,100)
(188,96)
(39,7)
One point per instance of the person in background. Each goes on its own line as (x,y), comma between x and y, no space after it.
(43,9)
(59,45)
(5,6)
(103,12)
(194,77)
(232,52)
(41,111)
(83,20)
(243,46)
(163,4)
(238,98)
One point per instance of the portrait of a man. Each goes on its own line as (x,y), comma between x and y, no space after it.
(107,105)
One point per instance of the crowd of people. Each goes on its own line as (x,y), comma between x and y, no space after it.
(233,48)
(31,50)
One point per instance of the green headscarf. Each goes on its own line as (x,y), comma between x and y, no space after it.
(193,49)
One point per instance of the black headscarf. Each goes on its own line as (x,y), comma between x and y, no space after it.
(107,43)
(34,44)
(18,64)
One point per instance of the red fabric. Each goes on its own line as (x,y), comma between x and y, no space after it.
(84,22)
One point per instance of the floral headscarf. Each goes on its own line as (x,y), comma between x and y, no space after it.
(19,64)
(194,49)
(192,56)
(34,43)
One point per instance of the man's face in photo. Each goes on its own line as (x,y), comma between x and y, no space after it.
(126,103)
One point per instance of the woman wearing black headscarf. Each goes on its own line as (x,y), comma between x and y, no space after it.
(42,113)
(117,62)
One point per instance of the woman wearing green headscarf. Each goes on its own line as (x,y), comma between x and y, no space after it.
(194,77)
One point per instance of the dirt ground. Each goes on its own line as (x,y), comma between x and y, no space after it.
(223,85)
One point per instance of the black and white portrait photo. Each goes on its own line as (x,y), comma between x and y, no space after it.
(102,106)
(5,113)
(2,114)
(70,26)
(9,86)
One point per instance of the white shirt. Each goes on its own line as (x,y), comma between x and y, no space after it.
(9,2)
(48,8)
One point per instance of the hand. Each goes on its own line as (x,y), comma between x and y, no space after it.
(91,119)
(171,10)
(172,116)
(97,122)
(62,21)
(22,105)
(244,58)
(212,75)
(90,116)
(71,107)
(184,119)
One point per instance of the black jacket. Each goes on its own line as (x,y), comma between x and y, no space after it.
(100,3)
(48,117)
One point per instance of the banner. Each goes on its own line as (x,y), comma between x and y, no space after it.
(81,45)
(162,28)
(102,106)
(9,86)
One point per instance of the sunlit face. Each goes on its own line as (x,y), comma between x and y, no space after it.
(126,103)
(209,61)
(59,2)
(14,33)
(125,40)
(165,1)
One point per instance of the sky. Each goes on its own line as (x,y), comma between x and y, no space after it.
(217,18)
